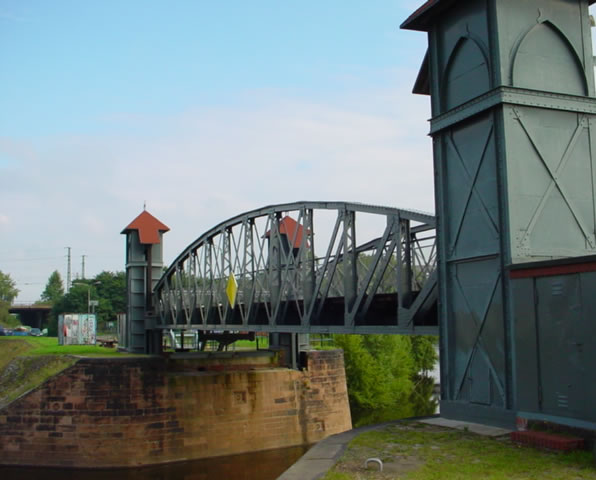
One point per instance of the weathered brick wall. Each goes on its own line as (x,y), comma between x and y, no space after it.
(126,412)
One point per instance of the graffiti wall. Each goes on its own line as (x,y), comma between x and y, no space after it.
(76,329)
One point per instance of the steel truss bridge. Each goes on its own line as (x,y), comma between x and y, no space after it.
(319,267)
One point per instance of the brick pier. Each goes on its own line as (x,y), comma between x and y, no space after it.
(146,410)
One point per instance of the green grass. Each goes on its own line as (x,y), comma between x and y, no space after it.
(11,348)
(251,344)
(27,362)
(244,345)
(25,373)
(433,453)
(22,368)
(49,346)
(337,476)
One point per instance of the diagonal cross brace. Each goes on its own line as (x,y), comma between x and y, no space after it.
(555,175)
(382,258)
(472,191)
(480,326)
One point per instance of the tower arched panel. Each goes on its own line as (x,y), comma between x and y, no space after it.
(467,74)
(545,60)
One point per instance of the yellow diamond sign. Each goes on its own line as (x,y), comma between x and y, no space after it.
(232,289)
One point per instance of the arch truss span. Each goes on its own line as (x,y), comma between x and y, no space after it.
(331,267)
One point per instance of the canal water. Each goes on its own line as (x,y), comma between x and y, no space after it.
(266,465)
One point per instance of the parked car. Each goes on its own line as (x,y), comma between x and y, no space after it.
(35,332)
(20,331)
(4,332)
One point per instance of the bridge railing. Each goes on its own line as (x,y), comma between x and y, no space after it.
(306,266)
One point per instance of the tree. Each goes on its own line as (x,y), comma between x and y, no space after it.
(54,289)
(387,376)
(111,292)
(108,288)
(75,301)
(379,369)
(424,353)
(8,290)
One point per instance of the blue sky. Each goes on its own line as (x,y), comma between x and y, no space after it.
(201,109)
(67,64)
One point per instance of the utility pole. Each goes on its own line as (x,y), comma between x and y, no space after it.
(68,270)
(83,266)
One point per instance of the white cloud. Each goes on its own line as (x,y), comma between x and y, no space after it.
(93,224)
(200,167)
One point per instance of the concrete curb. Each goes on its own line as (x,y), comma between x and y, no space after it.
(325,454)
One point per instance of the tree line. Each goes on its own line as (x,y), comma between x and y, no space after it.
(107,288)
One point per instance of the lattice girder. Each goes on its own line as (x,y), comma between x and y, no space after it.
(374,263)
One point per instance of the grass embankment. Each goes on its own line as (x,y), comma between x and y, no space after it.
(49,346)
(27,362)
(416,451)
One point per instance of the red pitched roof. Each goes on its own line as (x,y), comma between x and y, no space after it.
(148,227)
(292,229)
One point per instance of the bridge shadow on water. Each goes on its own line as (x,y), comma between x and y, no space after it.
(267,465)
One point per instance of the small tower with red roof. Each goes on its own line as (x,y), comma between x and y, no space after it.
(144,265)
(291,235)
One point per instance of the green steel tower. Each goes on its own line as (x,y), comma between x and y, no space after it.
(513,127)
(144,265)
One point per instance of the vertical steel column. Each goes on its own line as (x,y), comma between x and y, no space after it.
(307,264)
(249,281)
(194,306)
(226,271)
(211,305)
(404,279)
(274,265)
(350,267)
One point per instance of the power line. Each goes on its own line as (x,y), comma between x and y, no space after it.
(35,259)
